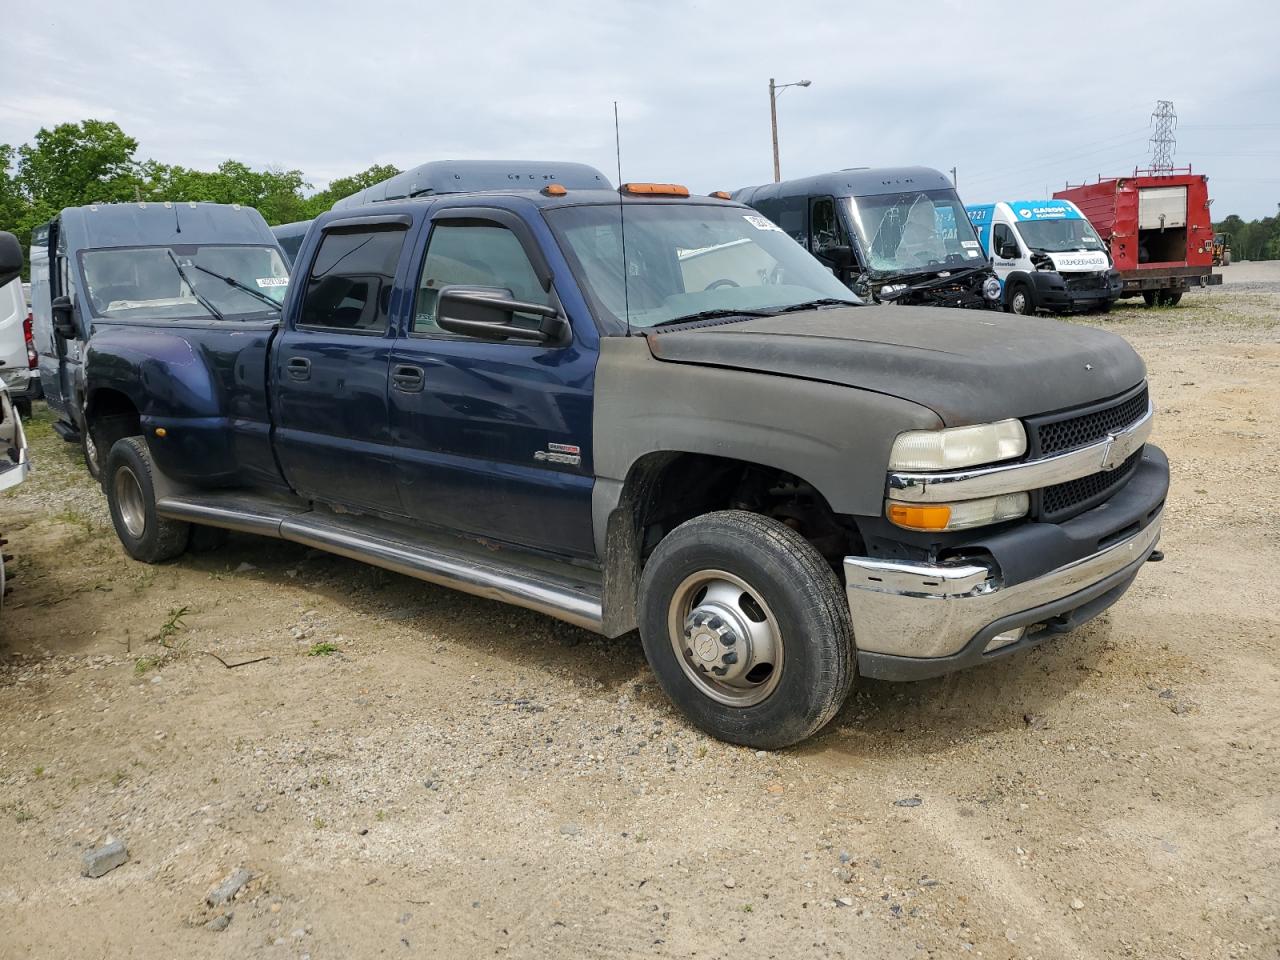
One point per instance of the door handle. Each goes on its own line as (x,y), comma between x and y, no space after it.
(408,379)
(299,368)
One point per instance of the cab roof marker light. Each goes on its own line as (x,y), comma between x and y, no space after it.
(554,190)
(721,195)
(655,189)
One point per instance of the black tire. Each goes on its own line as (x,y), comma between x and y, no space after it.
(1020,299)
(146,535)
(1149,297)
(207,539)
(807,603)
(1169,298)
(1105,306)
(92,455)
(24,408)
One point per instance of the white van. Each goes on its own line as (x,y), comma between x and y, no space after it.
(17,351)
(1047,256)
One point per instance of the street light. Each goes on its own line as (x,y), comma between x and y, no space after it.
(775,91)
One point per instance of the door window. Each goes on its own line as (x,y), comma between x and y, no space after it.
(1002,235)
(349,286)
(475,253)
(826,231)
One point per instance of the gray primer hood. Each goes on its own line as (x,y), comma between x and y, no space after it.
(968,366)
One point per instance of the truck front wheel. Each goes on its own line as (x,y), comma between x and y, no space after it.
(131,495)
(747,629)
(1021,299)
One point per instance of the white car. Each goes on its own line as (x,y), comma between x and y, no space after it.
(14,462)
(17,348)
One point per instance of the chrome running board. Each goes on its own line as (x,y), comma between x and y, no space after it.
(483,569)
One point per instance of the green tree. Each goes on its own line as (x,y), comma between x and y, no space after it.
(345,186)
(77,163)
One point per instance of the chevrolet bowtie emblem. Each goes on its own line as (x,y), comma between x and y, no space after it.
(1088,366)
(1114,454)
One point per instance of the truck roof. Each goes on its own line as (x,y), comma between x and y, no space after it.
(571,198)
(147,223)
(475,176)
(851,182)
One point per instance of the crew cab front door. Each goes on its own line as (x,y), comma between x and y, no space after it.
(330,368)
(491,438)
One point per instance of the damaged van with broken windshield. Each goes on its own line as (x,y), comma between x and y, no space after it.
(892,234)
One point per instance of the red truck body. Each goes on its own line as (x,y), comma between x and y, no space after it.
(1158,228)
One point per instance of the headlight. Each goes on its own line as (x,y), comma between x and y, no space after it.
(958,516)
(958,446)
(991,288)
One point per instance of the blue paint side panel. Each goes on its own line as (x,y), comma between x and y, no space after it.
(205,382)
(982,216)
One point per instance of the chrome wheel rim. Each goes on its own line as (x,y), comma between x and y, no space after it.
(1020,303)
(725,638)
(133,511)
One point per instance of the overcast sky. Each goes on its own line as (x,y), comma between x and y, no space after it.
(1019,97)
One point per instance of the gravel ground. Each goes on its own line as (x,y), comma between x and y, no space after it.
(407,771)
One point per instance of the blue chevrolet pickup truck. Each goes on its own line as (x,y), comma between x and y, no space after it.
(637,408)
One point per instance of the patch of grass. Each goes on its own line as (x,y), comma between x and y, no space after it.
(38,772)
(171,626)
(118,778)
(322,649)
(20,812)
(143,664)
(747,908)
(380,815)
(319,823)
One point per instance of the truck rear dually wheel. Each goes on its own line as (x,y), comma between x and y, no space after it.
(131,495)
(747,629)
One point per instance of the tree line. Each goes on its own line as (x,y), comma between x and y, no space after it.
(1252,239)
(95,161)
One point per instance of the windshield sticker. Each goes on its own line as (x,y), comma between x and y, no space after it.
(973,244)
(971,253)
(761,223)
(272,281)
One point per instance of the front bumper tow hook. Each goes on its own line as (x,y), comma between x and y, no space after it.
(1155,556)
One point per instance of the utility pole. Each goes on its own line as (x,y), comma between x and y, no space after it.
(775,91)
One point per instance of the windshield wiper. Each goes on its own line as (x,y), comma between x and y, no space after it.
(217,314)
(817,304)
(713,315)
(231,281)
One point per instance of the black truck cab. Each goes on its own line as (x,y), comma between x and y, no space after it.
(891,234)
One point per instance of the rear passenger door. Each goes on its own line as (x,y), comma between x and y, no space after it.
(492,438)
(329,376)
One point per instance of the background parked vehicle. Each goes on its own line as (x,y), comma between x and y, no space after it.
(696,432)
(17,347)
(1046,255)
(142,262)
(892,234)
(1222,249)
(14,463)
(290,236)
(1157,227)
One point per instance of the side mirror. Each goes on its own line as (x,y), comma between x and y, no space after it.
(63,324)
(10,257)
(1008,251)
(488,313)
(838,253)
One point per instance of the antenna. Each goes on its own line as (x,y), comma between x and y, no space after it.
(1165,120)
(622,220)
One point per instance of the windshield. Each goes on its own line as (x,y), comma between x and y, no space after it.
(688,259)
(1059,236)
(142,283)
(914,231)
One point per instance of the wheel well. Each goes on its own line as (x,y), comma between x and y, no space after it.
(663,490)
(111,416)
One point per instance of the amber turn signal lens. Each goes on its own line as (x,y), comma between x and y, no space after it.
(554,190)
(920,516)
(656,189)
(721,195)
(161,432)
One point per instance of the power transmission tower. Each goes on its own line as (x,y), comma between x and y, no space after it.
(1164,120)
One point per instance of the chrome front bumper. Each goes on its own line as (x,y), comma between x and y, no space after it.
(910,610)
